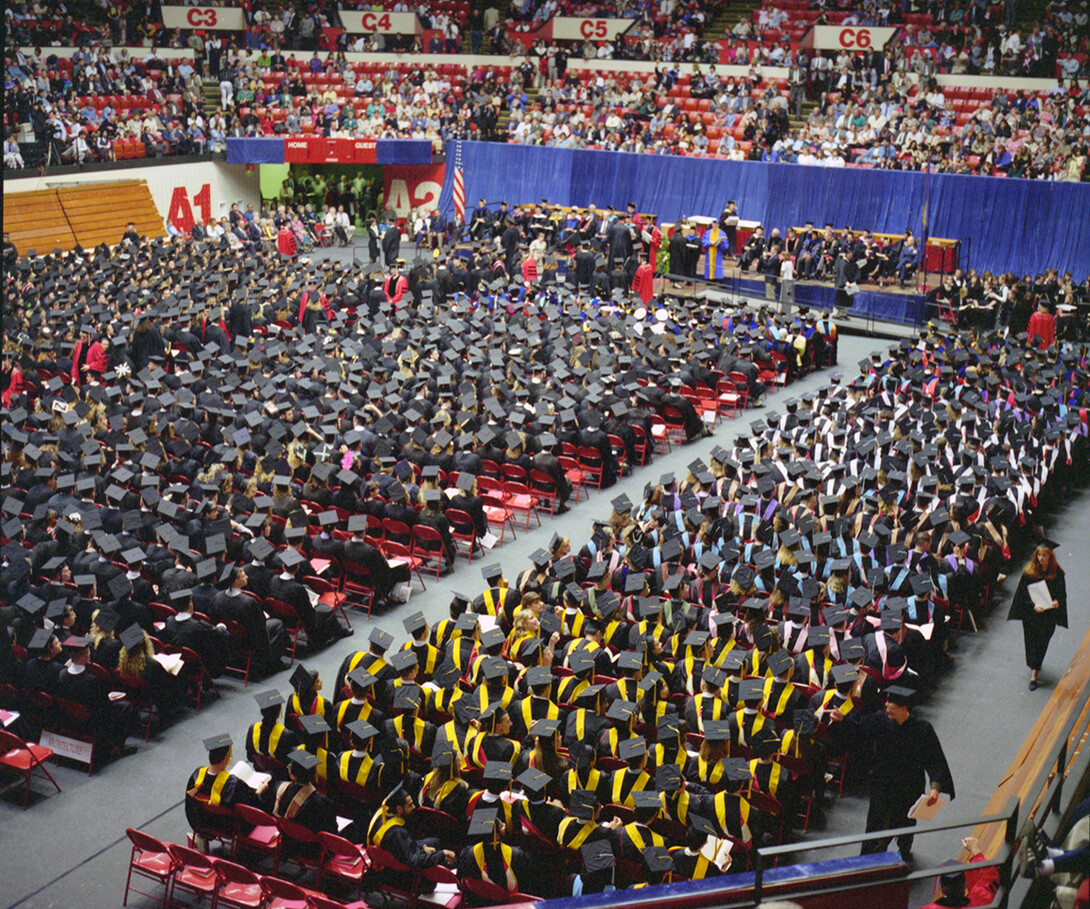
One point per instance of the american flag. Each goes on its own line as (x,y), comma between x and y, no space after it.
(459,183)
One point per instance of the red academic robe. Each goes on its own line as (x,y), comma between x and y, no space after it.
(643,282)
(321,299)
(396,290)
(96,360)
(286,243)
(1043,325)
(16,386)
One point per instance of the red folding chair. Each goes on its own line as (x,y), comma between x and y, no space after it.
(497,512)
(543,488)
(293,834)
(293,625)
(195,873)
(264,836)
(397,531)
(729,398)
(152,860)
(357,584)
(741,385)
(237,886)
(620,452)
(197,677)
(590,462)
(428,547)
(342,860)
(328,592)
(675,424)
(575,474)
(399,553)
(281,894)
(462,530)
(659,433)
(518,498)
(642,446)
(514,472)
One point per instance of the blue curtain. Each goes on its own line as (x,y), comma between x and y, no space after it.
(255,151)
(403,151)
(1013,225)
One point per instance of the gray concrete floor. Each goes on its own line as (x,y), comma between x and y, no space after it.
(70,848)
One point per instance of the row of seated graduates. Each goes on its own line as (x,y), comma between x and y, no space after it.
(790,578)
(144,463)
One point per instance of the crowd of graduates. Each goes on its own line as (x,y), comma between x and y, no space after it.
(681,687)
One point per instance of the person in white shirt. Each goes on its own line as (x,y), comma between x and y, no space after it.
(12,156)
(345,224)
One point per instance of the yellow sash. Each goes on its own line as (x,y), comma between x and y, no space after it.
(217,785)
(362,773)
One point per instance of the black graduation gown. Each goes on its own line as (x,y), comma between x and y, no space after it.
(905,757)
(1037,627)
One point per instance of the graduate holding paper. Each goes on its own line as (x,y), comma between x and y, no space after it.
(907,757)
(1040,602)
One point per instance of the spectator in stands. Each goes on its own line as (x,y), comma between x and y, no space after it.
(13,158)
(977,888)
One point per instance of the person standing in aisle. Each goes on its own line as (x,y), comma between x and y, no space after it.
(1040,609)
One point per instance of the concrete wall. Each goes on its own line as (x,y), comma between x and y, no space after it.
(226,183)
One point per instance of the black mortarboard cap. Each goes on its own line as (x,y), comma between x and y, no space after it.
(132,637)
(381,639)
(313,724)
(213,742)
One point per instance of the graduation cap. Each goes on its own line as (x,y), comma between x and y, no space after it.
(702,825)
(582,805)
(751,690)
(361,730)
(289,558)
(668,777)
(716,730)
(494,637)
(921,585)
(545,728)
(313,724)
(764,741)
(736,770)
(622,504)
(361,678)
(497,772)
(780,662)
(844,674)
(714,677)
(380,639)
(132,637)
(657,858)
(402,661)
(415,623)
(215,742)
(39,640)
(533,781)
(303,760)
(598,854)
(621,711)
(494,668)
(483,822)
(407,697)
(492,572)
(647,800)
(900,695)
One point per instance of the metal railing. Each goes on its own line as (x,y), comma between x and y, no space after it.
(765,857)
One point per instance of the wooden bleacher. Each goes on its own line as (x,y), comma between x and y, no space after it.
(1028,764)
(86,213)
(37,221)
